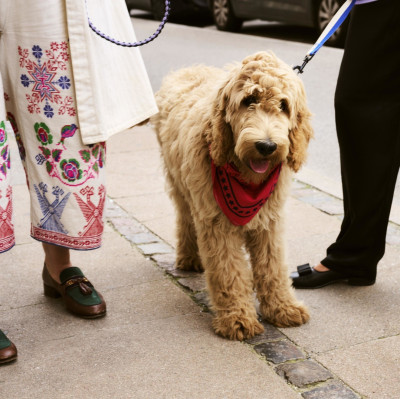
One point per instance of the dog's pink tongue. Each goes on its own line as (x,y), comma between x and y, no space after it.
(259,166)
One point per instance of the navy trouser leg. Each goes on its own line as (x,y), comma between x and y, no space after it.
(367,103)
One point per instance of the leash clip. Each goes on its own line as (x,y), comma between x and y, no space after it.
(306,60)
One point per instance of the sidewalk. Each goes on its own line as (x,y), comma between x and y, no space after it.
(156,340)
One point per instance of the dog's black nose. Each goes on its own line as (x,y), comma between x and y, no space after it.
(266,147)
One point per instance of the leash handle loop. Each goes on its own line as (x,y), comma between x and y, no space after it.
(135,44)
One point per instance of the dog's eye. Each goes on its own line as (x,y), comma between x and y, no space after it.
(284,106)
(250,100)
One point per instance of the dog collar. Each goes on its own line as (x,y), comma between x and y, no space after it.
(238,200)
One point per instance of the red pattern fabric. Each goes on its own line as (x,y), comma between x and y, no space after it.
(238,200)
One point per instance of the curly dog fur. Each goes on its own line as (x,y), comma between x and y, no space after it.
(223,113)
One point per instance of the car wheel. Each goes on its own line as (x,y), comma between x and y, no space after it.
(224,17)
(325,11)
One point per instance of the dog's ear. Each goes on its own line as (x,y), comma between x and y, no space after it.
(219,134)
(301,130)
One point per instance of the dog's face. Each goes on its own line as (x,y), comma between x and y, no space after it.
(261,118)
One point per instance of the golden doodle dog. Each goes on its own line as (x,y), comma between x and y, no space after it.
(230,139)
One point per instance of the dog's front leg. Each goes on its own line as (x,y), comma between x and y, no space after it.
(229,280)
(278,304)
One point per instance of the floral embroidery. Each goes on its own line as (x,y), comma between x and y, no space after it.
(92,213)
(72,172)
(43,133)
(43,78)
(6,97)
(4,152)
(4,161)
(3,133)
(17,134)
(67,131)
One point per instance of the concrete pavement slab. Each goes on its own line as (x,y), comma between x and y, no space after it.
(372,368)
(178,357)
(165,228)
(148,207)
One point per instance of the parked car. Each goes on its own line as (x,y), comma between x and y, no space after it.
(229,14)
(178,7)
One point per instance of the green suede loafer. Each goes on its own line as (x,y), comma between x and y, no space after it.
(78,293)
(8,351)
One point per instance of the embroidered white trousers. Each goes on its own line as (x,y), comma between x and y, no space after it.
(65,177)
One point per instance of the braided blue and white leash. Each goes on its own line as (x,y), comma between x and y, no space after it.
(135,44)
(330,29)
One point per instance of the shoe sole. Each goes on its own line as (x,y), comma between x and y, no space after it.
(354,282)
(96,316)
(51,292)
(9,360)
(360,282)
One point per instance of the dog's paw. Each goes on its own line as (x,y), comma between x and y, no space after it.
(237,328)
(189,263)
(290,315)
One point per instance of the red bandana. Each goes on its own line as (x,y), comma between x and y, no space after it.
(240,201)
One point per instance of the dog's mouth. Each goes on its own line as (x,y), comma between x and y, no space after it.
(259,165)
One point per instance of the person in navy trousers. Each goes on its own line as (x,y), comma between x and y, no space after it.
(367,106)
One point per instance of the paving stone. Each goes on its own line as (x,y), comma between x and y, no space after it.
(270,333)
(113,210)
(322,201)
(393,234)
(183,273)
(143,238)
(156,248)
(126,226)
(303,373)
(335,390)
(203,298)
(279,351)
(165,261)
(194,283)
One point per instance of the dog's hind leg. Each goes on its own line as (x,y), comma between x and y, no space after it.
(187,251)
(278,304)
(229,280)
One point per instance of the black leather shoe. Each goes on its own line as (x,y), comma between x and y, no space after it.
(308,277)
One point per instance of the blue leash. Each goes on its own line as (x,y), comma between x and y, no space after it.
(330,29)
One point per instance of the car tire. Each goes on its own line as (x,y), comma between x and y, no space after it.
(224,17)
(324,12)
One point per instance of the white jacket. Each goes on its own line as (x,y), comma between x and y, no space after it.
(113,91)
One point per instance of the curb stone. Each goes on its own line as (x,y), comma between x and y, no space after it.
(303,374)
(333,206)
